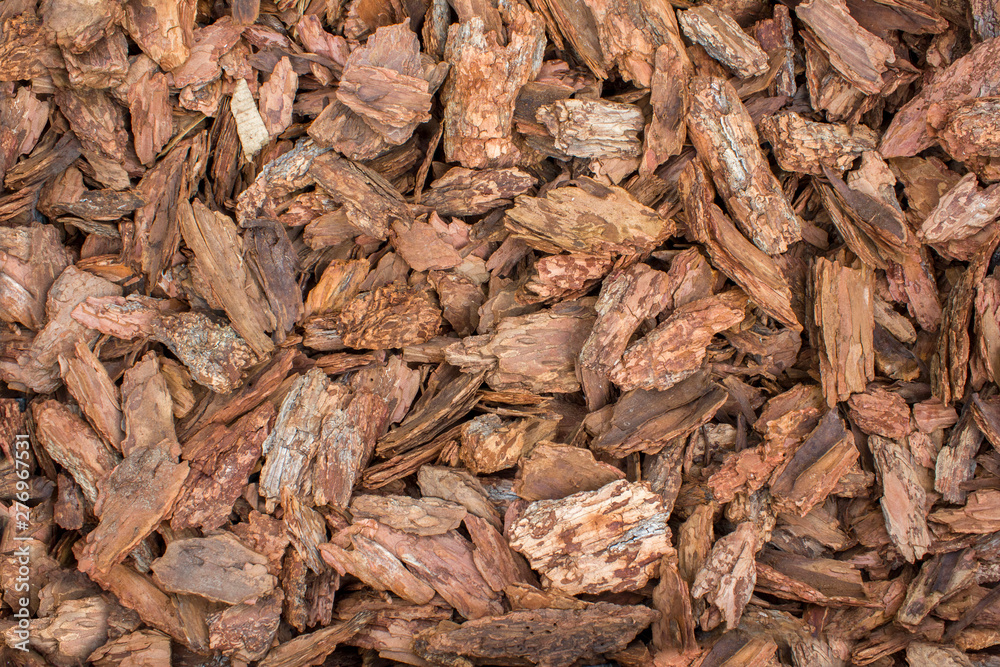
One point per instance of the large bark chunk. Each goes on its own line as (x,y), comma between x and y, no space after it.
(723,134)
(595,527)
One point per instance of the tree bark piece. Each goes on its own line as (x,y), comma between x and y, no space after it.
(803,146)
(587,217)
(904,500)
(553,471)
(604,557)
(859,56)
(548,637)
(721,36)
(676,349)
(844,312)
(589,129)
(727,578)
(387,69)
(134,498)
(482,88)
(464,192)
(723,134)
(99,398)
(215,354)
(371,202)
(218,568)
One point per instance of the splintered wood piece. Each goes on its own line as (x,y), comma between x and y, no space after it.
(845,318)
(813,471)
(445,562)
(962,214)
(215,354)
(371,202)
(880,412)
(89,383)
(817,580)
(71,443)
(373,564)
(347,439)
(31,258)
(971,76)
(134,498)
(218,568)
(668,97)
(249,125)
(420,516)
(647,419)
(723,133)
(213,238)
(465,192)
(592,129)
(626,300)
(736,257)
(383,83)
(295,438)
(587,217)
(903,498)
(221,458)
(37,367)
(143,647)
(675,628)
(548,637)
(311,648)
(986,412)
(939,577)
(727,578)
(676,348)
(723,39)
(148,408)
(553,471)
(489,444)
(859,56)
(804,146)
(458,486)
(245,631)
(605,558)
(481,90)
(970,129)
(389,317)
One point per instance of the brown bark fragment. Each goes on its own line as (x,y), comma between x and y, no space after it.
(604,558)
(723,39)
(676,349)
(483,84)
(723,134)
(880,412)
(727,578)
(371,202)
(99,398)
(549,637)
(801,145)
(420,516)
(553,471)
(387,69)
(903,500)
(218,568)
(844,314)
(389,317)
(589,129)
(587,217)
(133,499)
